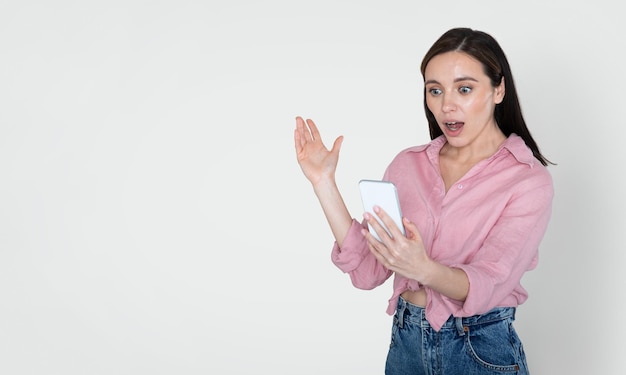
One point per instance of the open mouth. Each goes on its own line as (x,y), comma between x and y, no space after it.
(454,125)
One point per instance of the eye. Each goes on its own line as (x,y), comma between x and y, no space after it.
(434,91)
(465,89)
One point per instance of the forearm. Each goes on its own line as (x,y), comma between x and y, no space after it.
(334,208)
(448,281)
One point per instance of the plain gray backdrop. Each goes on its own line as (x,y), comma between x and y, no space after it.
(154,220)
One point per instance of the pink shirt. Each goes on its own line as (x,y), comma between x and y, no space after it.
(489,224)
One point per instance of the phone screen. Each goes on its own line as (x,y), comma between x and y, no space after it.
(385,195)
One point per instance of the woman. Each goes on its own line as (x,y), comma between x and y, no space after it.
(477,201)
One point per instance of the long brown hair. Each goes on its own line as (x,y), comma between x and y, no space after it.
(484,48)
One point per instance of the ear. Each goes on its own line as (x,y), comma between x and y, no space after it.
(499,92)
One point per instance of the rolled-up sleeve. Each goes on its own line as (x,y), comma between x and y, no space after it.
(355,259)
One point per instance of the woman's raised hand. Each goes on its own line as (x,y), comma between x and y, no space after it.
(316,161)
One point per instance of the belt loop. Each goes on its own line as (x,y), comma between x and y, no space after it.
(401,310)
(459,326)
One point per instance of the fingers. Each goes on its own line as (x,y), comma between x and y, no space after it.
(391,226)
(315,134)
(379,247)
(375,225)
(302,130)
(301,135)
(307,130)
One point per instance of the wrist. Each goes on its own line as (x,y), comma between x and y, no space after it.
(324,185)
(428,273)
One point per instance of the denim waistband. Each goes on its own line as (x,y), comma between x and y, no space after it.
(413,314)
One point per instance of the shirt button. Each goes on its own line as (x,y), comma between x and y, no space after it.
(459,186)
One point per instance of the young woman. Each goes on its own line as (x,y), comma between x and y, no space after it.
(476,202)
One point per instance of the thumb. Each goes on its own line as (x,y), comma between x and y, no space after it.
(411,230)
(337,145)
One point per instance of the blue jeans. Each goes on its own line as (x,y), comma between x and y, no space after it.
(480,344)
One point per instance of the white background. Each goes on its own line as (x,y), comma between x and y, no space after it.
(153,218)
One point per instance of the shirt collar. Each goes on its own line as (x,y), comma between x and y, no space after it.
(514,144)
(517,147)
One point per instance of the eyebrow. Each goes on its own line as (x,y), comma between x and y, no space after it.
(460,79)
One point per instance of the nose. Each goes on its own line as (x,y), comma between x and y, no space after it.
(447,104)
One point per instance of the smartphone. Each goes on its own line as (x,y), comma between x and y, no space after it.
(384,195)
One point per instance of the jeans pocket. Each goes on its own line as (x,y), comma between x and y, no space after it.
(494,346)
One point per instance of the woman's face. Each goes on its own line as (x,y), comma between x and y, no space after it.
(460,96)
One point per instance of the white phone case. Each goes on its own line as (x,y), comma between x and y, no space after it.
(385,195)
